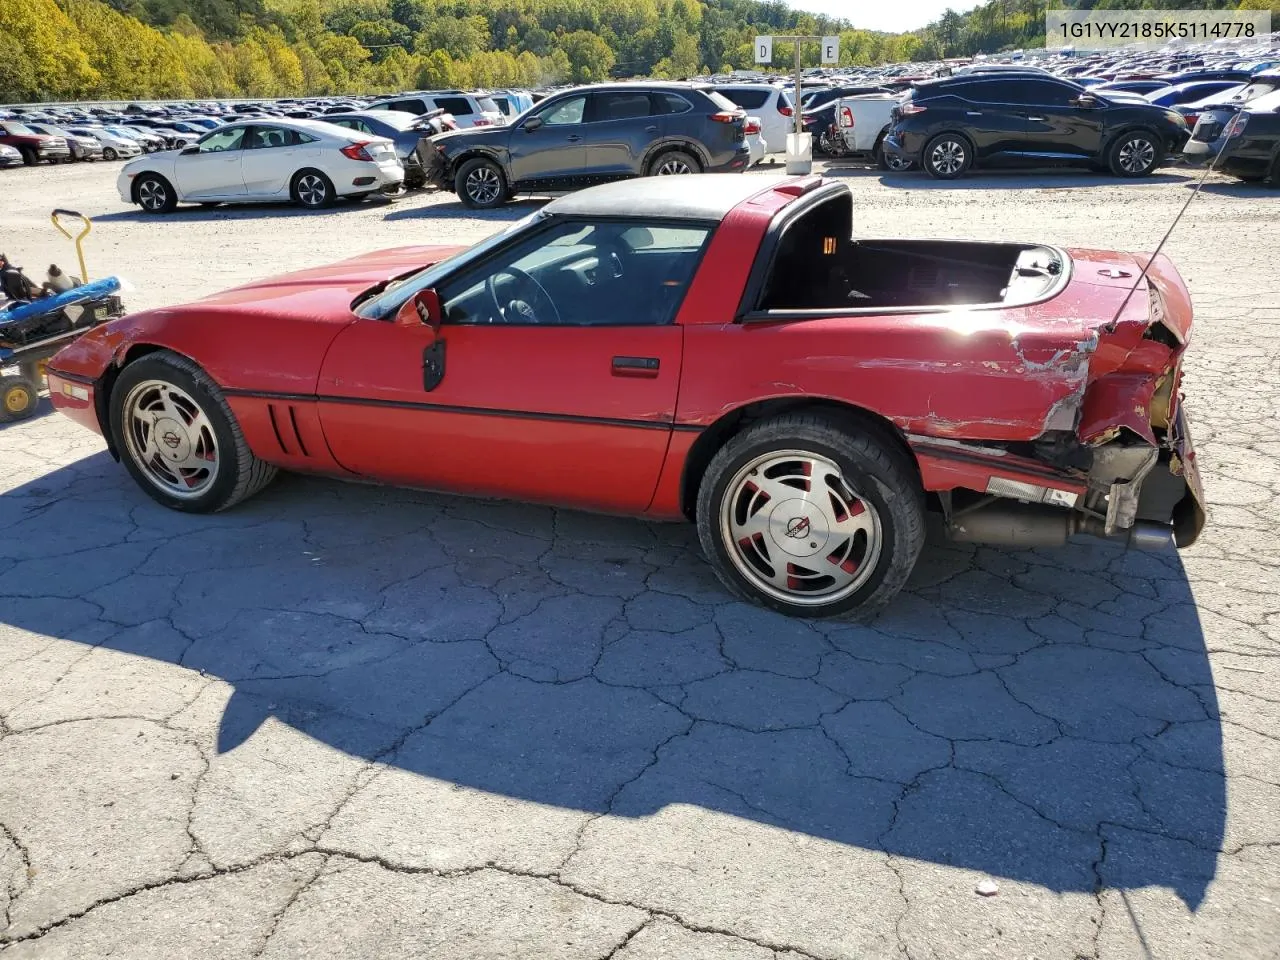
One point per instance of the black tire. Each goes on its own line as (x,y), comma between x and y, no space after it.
(481,184)
(1274,176)
(674,163)
(240,474)
(1135,153)
(109,153)
(877,471)
(18,398)
(154,194)
(312,189)
(947,156)
(29,156)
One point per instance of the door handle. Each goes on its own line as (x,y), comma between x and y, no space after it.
(635,366)
(650,129)
(1035,118)
(973,113)
(573,138)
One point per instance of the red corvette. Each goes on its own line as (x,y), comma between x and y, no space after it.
(712,348)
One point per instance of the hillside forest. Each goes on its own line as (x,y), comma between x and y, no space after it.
(54,50)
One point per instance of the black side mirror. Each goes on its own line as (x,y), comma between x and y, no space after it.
(1087,101)
(533,123)
(188,150)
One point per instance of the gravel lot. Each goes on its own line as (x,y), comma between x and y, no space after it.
(347,721)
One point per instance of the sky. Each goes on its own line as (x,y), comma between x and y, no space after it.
(890,15)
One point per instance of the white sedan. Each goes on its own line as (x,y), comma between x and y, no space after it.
(307,161)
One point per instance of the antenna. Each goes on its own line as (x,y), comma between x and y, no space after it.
(1168,233)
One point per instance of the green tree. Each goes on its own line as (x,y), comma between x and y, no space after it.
(590,58)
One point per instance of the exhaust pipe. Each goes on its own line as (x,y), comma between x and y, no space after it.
(1035,525)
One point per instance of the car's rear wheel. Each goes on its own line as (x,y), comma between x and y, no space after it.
(672,163)
(178,437)
(1134,154)
(812,514)
(312,189)
(947,156)
(154,194)
(108,153)
(29,156)
(18,398)
(481,184)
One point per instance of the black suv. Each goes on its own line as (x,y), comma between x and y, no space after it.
(592,135)
(950,125)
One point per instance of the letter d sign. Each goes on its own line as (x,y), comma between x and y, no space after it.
(764,49)
(830,49)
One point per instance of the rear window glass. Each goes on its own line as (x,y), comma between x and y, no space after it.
(487,105)
(458,106)
(748,99)
(721,101)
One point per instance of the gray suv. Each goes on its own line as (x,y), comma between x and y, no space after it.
(592,135)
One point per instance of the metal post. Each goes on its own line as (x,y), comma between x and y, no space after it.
(796,105)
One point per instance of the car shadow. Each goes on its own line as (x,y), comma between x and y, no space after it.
(1064,178)
(1236,188)
(1048,717)
(456,209)
(187,213)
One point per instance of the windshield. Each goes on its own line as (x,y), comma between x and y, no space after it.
(18,129)
(397,292)
(1254,90)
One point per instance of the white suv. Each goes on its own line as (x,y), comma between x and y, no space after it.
(468,109)
(771,104)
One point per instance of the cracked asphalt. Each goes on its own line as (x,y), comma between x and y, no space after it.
(351,721)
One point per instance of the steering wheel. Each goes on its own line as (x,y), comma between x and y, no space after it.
(527,310)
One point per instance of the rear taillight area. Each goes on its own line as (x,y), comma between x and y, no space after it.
(752,127)
(846,117)
(357,151)
(785,109)
(910,109)
(727,116)
(482,122)
(1236,127)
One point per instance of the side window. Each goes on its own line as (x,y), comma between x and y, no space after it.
(670,103)
(569,110)
(987,91)
(619,106)
(748,99)
(266,138)
(221,140)
(458,106)
(1039,92)
(580,273)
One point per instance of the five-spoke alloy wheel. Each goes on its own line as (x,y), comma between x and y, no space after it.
(312,189)
(154,194)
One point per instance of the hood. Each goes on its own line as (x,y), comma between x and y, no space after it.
(325,293)
(455,140)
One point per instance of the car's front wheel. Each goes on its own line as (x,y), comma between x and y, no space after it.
(178,437)
(947,156)
(1134,154)
(313,189)
(812,514)
(154,194)
(108,153)
(481,185)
